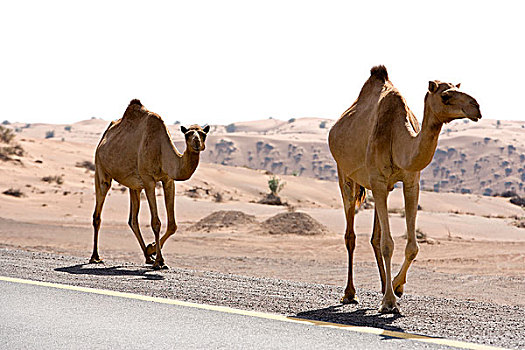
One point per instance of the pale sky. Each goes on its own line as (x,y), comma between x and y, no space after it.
(219,62)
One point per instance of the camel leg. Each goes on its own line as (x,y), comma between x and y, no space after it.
(169,201)
(380,192)
(411,194)
(149,186)
(102,186)
(376,245)
(348,192)
(133,221)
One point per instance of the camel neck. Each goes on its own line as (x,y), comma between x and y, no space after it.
(421,148)
(178,166)
(189,162)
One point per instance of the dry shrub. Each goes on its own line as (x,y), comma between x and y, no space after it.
(12,149)
(8,151)
(400,211)
(271,199)
(218,197)
(203,192)
(520,223)
(15,192)
(86,164)
(54,178)
(518,201)
(422,237)
(6,135)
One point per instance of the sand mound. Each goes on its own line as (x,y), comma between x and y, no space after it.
(223,219)
(294,223)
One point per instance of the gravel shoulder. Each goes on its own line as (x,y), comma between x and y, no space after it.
(471,321)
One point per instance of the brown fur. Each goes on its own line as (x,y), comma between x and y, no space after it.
(137,151)
(378,142)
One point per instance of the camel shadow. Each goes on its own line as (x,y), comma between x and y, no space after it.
(366,317)
(81,269)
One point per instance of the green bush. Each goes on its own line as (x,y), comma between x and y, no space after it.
(275,184)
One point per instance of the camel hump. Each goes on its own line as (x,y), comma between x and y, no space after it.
(135,101)
(379,72)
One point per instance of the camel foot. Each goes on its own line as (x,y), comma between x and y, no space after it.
(160,266)
(150,260)
(398,286)
(151,249)
(349,300)
(389,308)
(96,260)
(398,291)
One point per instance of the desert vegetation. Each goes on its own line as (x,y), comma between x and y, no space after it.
(58,179)
(86,164)
(231,128)
(275,184)
(8,147)
(14,192)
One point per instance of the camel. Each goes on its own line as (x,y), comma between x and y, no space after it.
(137,151)
(378,142)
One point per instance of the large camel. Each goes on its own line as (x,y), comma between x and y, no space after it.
(137,151)
(378,142)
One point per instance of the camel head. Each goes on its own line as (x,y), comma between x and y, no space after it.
(448,103)
(195,137)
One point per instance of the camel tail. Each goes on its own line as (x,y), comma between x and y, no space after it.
(379,72)
(361,196)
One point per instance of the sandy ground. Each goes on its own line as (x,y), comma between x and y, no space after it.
(473,251)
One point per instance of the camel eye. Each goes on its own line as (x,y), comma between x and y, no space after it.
(445,98)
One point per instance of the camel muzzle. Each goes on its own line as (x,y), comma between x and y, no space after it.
(476,117)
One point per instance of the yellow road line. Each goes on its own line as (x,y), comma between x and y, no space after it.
(369,330)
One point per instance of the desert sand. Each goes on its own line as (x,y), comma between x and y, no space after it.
(471,245)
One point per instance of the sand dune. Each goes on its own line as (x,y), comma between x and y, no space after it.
(486,158)
(216,186)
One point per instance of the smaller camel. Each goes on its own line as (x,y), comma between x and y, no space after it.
(378,142)
(137,151)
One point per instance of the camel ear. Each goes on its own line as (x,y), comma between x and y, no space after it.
(432,86)
(183,129)
(206,129)
(458,85)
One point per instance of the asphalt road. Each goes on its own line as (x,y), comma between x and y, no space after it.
(39,317)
